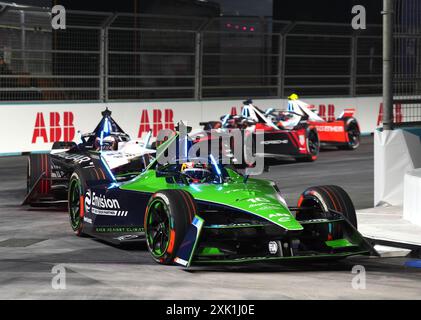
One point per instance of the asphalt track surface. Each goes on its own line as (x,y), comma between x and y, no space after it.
(33,242)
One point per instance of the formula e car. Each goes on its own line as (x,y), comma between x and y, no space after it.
(344,132)
(48,174)
(195,211)
(288,136)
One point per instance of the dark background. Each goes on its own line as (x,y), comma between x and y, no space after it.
(296,10)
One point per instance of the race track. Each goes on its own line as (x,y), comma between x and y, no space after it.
(33,242)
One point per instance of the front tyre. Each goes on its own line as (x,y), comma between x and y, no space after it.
(313,146)
(76,206)
(168,216)
(318,200)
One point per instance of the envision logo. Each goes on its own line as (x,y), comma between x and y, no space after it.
(88,200)
(102,206)
(100,201)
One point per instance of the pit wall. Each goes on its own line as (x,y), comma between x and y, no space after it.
(34,127)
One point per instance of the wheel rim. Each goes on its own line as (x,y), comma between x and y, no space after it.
(353,135)
(74,204)
(157,228)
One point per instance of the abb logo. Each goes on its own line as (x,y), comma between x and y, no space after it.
(64,132)
(159,121)
(330,116)
(397,114)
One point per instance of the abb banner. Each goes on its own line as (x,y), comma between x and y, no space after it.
(34,127)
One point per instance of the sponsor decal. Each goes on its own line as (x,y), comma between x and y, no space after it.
(77,158)
(273,247)
(397,114)
(302,139)
(160,120)
(118,229)
(127,237)
(249,258)
(103,206)
(328,128)
(275,142)
(181,261)
(314,221)
(257,200)
(269,207)
(87,220)
(60,128)
(280,217)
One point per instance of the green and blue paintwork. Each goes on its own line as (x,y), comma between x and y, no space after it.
(258,197)
(255,196)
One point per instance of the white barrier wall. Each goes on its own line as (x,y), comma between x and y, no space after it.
(34,127)
(396,152)
(411,196)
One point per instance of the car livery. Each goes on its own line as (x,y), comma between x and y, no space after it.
(298,139)
(343,132)
(48,174)
(199,211)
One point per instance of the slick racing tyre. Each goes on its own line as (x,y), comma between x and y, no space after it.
(78,185)
(38,164)
(322,198)
(168,216)
(76,205)
(352,130)
(313,146)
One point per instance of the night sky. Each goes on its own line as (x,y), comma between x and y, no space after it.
(304,10)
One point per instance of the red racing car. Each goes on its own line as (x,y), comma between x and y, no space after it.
(344,132)
(284,135)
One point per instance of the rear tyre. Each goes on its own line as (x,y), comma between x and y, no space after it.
(322,198)
(313,146)
(37,165)
(352,130)
(168,216)
(79,183)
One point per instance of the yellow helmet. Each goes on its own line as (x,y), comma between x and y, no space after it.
(293,97)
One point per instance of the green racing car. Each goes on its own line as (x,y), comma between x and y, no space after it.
(200,211)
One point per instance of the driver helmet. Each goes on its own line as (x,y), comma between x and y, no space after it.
(109,143)
(197,172)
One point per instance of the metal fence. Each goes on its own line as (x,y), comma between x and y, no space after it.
(407,62)
(114,57)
